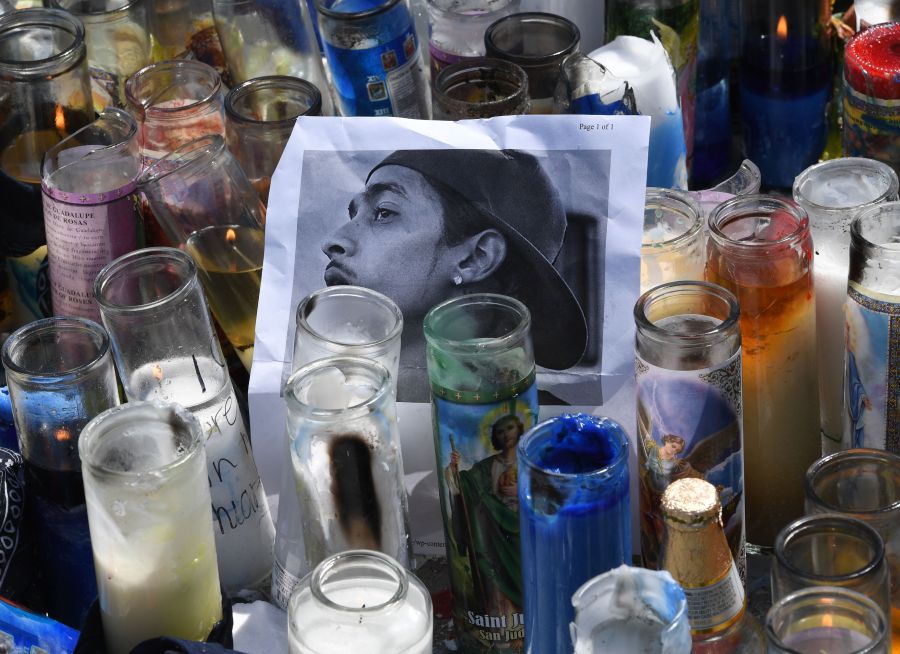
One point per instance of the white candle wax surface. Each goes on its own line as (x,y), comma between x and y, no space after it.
(403,628)
(646,67)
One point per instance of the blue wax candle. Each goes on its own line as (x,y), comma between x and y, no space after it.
(786,84)
(575,521)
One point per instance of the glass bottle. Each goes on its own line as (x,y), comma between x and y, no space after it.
(360,601)
(673,245)
(347,321)
(863,484)
(148,505)
(204,202)
(184,29)
(373,53)
(825,619)
(677,22)
(45,95)
(872,370)
(712,135)
(786,81)
(264,38)
(60,375)
(621,611)
(831,550)
(696,553)
(760,249)
(456,29)
(480,88)
(872,95)
(832,193)
(259,118)
(118,44)
(574,511)
(165,349)
(689,406)
(89,209)
(537,42)
(345,455)
(480,362)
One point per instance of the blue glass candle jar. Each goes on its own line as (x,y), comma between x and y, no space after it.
(786,82)
(574,517)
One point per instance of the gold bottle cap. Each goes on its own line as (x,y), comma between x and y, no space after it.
(691,501)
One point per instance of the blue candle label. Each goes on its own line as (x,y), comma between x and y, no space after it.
(476,438)
(871,371)
(690,424)
(871,127)
(380,80)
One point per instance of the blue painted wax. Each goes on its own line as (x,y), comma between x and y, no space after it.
(575,521)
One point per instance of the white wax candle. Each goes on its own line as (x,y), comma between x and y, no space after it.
(646,67)
(403,628)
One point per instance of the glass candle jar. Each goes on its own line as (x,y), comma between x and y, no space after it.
(373,53)
(673,246)
(745,181)
(760,249)
(89,207)
(480,88)
(259,118)
(537,42)
(863,484)
(45,95)
(60,375)
(484,398)
(872,94)
(165,349)
(205,203)
(872,312)
(689,404)
(631,610)
(360,601)
(574,511)
(118,44)
(831,550)
(264,38)
(832,193)
(184,29)
(873,12)
(148,505)
(826,619)
(456,29)
(345,455)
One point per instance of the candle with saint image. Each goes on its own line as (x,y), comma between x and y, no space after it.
(832,193)
(786,83)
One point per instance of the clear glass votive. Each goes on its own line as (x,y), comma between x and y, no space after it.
(674,243)
(826,619)
(832,193)
(480,88)
(456,29)
(863,484)
(259,118)
(148,505)
(831,550)
(360,601)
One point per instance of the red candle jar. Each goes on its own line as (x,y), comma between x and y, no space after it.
(872,94)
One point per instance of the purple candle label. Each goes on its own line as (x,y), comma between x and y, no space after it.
(476,438)
(872,371)
(84,233)
(690,424)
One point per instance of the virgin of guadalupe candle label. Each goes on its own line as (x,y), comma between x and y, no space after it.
(872,371)
(85,231)
(690,424)
(476,451)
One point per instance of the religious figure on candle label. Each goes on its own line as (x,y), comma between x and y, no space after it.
(690,425)
(871,382)
(477,454)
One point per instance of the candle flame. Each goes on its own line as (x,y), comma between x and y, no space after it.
(230,236)
(59,119)
(157,372)
(782,29)
(63,435)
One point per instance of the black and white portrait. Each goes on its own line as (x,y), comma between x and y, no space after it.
(422,226)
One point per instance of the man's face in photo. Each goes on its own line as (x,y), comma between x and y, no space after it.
(393,242)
